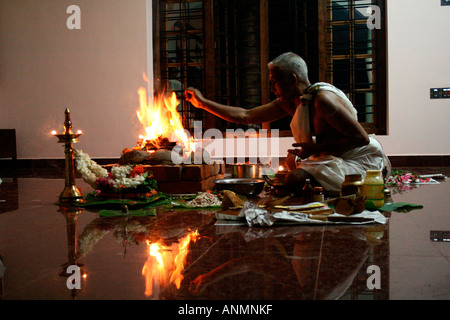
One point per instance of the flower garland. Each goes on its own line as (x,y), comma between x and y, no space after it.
(89,169)
(132,178)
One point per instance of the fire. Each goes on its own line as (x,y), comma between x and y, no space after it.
(162,120)
(165,264)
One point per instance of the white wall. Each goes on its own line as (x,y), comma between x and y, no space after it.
(418,59)
(96,71)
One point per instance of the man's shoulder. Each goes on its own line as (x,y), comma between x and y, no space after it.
(328,103)
(325,96)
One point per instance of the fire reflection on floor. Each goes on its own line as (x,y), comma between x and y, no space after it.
(165,264)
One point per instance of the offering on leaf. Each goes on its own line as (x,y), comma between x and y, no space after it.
(123,179)
(204,199)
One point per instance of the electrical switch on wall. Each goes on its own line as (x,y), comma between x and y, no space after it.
(439,93)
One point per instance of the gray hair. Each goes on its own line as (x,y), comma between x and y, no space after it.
(292,62)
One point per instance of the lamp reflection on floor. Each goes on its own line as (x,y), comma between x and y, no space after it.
(71,215)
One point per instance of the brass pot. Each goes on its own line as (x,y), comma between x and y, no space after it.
(249,171)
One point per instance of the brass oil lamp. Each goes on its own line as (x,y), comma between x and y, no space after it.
(70,192)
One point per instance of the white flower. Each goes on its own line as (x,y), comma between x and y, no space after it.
(122,181)
(121,172)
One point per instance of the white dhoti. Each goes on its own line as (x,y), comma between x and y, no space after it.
(330,171)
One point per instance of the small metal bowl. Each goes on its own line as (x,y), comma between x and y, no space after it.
(243,186)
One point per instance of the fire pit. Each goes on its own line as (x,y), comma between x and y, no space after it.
(176,170)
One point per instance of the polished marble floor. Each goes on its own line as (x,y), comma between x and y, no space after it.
(184,255)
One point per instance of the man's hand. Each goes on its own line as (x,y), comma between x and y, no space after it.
(306,150)
(193,96)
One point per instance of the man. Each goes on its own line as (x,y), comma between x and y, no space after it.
(330,142)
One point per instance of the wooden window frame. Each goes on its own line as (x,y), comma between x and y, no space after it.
(379,124)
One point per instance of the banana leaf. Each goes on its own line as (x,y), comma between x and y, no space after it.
(129,213)
(132,204)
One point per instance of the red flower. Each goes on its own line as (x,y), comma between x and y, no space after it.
(139,169)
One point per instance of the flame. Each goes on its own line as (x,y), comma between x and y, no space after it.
(162,120)
(165,264)
(280,168)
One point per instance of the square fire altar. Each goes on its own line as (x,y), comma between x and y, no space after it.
(171,174)
(182,179)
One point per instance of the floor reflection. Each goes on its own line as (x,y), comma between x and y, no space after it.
(9,195)
(298,262)
(184,255)
(71,216)
(165,264)
(167,250)
(292,263)
(126,230)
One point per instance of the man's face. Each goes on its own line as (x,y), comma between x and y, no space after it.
(281,85)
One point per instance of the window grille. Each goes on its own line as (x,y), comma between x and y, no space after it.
(196,46)
(355,57)
(182,52)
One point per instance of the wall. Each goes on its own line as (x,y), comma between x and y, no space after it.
(418,50)
(94,71)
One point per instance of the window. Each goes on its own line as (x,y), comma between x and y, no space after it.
(336,43)
(214,46)
(180,52)
(294,26)
(222,47)
(355,58)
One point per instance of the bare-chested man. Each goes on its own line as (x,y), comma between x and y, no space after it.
(330,143)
